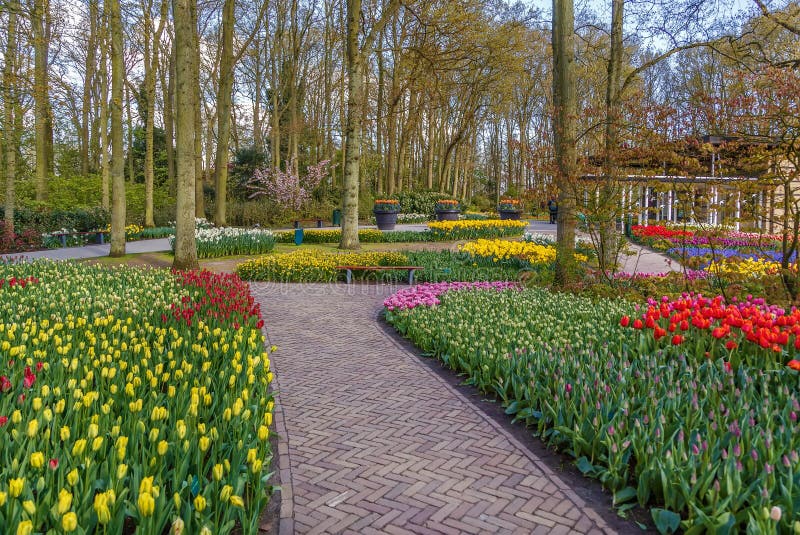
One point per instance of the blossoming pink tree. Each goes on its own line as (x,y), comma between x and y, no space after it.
(287,188)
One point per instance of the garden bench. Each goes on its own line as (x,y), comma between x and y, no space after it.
(349,270)
(63,235)
(297,222)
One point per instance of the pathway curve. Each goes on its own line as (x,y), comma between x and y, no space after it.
(373,441)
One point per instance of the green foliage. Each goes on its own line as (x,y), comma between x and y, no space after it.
(245,162)
(420,202)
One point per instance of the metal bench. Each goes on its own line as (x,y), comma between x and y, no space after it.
(63,235)
(297,222)
(349,270)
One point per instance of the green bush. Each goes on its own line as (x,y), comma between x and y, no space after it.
(420,202)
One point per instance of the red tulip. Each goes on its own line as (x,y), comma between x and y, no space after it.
(677,340)
(625,321)
(637,324)
(794,364)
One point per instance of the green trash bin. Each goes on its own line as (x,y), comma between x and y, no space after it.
(298,236)
(628,225)
(336,218)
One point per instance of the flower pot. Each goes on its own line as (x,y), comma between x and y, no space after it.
(510,214)
(447,215)
(385,220)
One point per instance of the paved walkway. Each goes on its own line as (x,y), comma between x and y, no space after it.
(373,441)
(96,251)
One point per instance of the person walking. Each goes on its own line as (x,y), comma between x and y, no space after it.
(552,206)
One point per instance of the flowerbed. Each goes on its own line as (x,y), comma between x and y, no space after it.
(707,446)
(749,331)
(439,231)
(471,229)
(503,250)
(310,265)
(226,241)
(428,294)
(131,400)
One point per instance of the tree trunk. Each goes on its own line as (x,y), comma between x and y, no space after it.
(168,87)
(355,96)
(104,163)
(564,101)
(88,81)
(40,95)
(10,139)
(199,176)
(224,96)
(608,208)
(150,112)
(185,57)
(117,149)
(129,105)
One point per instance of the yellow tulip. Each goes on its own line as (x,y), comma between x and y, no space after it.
(199,503)
(64,501)
(69,522)
(122,470)
(72,476)
(25,527)
(15,487)
(3,497)
(37,459)
(237,501)
(204,443)
(79,447)
(263,433)
(29,507)
(101,508)
(225,494)
(146,485)
(33,427)
(163,446)
(217,472)
(146,504)
(64,433)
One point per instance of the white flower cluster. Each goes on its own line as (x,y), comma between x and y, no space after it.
(221,233)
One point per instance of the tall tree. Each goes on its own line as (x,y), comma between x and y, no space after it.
(152,47)
(41,96)
(564,134)
(356,59)
(88,83)
(224,98)
(185,58)
(117,149)
(10,141)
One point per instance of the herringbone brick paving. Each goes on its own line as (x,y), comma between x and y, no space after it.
(373,441)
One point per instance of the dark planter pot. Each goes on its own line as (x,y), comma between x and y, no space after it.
(510,214)
(385,220)
(447,215)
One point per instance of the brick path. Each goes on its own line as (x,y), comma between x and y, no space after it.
(373,441)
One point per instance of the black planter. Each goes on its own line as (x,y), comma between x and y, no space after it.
(447,215)
(510,214)
(385,220)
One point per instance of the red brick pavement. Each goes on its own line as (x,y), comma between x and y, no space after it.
(373,441)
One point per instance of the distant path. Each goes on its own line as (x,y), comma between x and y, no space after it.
(373,441)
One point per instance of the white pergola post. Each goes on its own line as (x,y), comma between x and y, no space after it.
(738,208)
